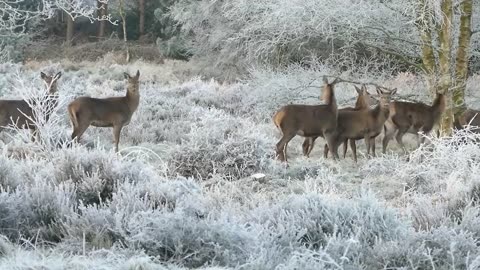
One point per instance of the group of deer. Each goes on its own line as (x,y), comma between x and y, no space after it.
(336,126)
(114,112)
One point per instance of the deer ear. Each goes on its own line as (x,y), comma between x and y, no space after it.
(393,92)
(126,75)
(43,75)
(58,75)
(359,91)
(364,89)
(379,91)
(138,74)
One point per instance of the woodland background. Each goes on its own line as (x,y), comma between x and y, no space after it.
(196,184)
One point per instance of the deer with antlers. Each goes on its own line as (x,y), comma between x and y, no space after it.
(21,113)
(412,117)
(308,120)
(364,99)
(114,112)
(364,124)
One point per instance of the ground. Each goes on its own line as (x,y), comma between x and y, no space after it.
(196,184)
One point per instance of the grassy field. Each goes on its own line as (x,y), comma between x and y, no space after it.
(196,185)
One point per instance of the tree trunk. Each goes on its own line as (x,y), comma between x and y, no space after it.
(461,65)
(124,26)
(102,24)
(70,29)
(444,57)
(428,57)
(141,12)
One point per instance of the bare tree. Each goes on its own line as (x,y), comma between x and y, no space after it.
(15,18)
(123,15)
(102,13)
(141,12)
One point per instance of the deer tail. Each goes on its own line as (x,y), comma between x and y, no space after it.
(73,116)
(278,118)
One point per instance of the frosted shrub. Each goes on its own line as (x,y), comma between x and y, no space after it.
(438,249)
(35,212)
(338,227)
(191,241)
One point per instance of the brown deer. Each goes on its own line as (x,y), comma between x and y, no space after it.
(308,120)
(410,117)
(20,112)
(363,124)
(113,112)
(364,99)
(469,117)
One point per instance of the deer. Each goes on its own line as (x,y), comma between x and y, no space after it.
(21,113)
(308,120)
(115,112)
(469,117)
(412,117)
(364,99)
(363,124)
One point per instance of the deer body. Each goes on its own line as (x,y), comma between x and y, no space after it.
(363,124)
(409,117)
(20,112)
(113,112)
(307,120)
(362,103)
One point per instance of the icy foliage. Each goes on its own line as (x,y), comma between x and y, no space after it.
(195,184)
(234,34)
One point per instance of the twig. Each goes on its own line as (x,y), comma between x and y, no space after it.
(357,82)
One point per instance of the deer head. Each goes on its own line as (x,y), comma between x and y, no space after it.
(385,96)
(51,82)
(133,82)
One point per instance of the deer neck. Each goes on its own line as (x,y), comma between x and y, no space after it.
(360,103)
(331,101)
(438,106)
(381,112)
(133,99)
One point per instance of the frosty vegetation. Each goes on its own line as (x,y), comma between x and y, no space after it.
(181,193)
(196,183)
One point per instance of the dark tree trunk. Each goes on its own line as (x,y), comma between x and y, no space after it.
(102,25)
(141,11)
(70,29)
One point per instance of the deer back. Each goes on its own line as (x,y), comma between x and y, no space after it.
(306,120)
(416,115)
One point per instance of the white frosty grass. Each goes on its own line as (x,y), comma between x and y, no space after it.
(196,185)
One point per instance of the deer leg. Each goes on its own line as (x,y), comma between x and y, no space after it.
(282,146)
(345,147)
(332,144)
(399,138)
(116,135)
(367,143)
(305,145)
(372,145)
(310,148)
(325,151)
(78,131)
(389,132)
(353,146)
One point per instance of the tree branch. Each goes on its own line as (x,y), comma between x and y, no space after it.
(389,35)
(401,57)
